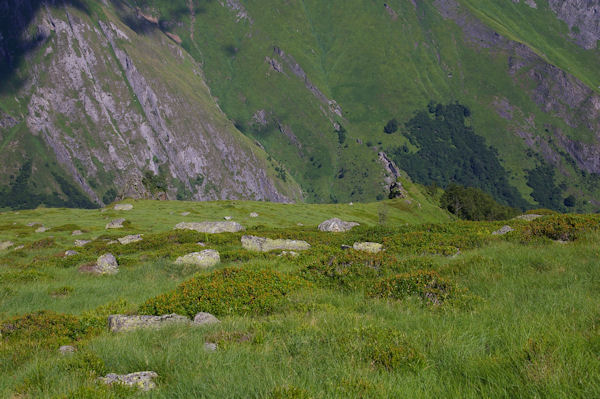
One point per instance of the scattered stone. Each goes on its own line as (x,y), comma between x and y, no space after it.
(503,230)
(18,247)
(31,224)
(123,207)
(5,245)
(123,323)
(371,247)
(205,259)
(141,379)
(227,218)
(112,242)
(351,204)
(529,217)
(129,239)
(260,244)
(41,229)
(292,254)
(336,225)
(77,233)
(254,215)
(300,224)
(66,349)
(211,227)
(185,213)
(210,346)
(81,243)
(201,244)
(70,252)
(115,224)
(204,318)
(106,264)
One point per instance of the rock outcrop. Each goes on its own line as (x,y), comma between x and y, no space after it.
(130,239)
(583,19)
(123,323)
(503,230)
(371,247)
(336,225)
(5,245)
(260,244)
(211,227)
(123,207)
(142,380)
(205,259)
(115,224)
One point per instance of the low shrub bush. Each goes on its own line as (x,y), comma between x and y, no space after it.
(560,227)
(428,285)
(226,291)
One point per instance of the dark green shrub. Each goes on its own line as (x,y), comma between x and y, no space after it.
(226,291)
(349,269)
(427,285)
(560,227)
(473,204)
(391,126)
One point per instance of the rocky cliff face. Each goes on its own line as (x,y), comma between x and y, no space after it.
(123,109)
(583,18)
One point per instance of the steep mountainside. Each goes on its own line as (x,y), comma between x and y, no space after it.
(107,93)
(98,108)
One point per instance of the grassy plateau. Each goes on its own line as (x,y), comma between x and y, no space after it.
(448,309)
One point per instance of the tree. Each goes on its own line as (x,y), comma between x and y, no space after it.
(391,126)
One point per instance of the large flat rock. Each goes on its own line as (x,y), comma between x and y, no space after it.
(260,244)
(211,227)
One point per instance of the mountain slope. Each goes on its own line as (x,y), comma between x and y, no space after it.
(117,109)
(314,83)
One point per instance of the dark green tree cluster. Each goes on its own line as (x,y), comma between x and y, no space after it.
(473,204)
(19,195)
(449,151)
(545,191)
(391,126)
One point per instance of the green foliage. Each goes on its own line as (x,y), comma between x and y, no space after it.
(473,204)
(561,227)
(450,151)
(545,190)
(226,291)
(289,392)
(154,183)
(427,285)
(390,350)
(109,196)
(20,194)
(44,329)
(349,270)
(341,132)
(391,126)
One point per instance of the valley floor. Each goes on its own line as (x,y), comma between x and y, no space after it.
(448,309)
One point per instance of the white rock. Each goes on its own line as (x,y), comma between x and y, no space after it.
(205,259)
(123,207)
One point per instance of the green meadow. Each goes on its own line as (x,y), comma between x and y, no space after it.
(448,309)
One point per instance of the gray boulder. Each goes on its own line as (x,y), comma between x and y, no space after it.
(371,247)
(66,349)
(254,215)
(205,259)
(528,217)
(260,244)
(210,346)
(77,233)
(106,264)
(123,323)
(185,213)
(227,217)
(5,245)
(70,252)
(143,380)
(41,229)
(123,207)
(129,239)
(202,319)
(211,227)
(81,243)
(503,230)
(336,225)
(115,224)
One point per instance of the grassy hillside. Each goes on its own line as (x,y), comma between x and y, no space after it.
(447,310)
(380,63)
